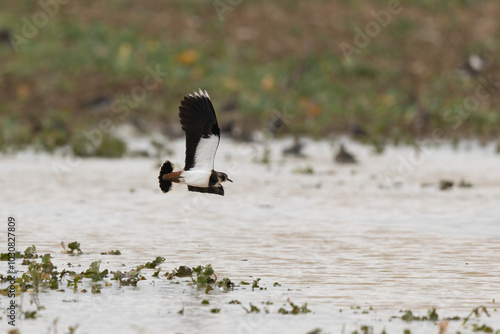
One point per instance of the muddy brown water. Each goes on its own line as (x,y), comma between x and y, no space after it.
(379,236)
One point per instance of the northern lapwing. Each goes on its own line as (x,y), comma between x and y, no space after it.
(199,123)
(295,149)
(344,157)
(473,66)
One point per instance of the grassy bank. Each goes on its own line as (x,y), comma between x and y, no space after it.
(90,62)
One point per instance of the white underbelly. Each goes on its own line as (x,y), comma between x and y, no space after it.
(196,178)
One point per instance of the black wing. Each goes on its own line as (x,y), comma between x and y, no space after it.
(208,190)
(200,125)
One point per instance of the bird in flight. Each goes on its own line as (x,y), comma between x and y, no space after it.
(199,122)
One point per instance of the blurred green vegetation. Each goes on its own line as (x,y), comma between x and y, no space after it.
(66,74)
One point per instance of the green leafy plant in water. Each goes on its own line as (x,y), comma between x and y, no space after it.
(75,281)
(94,273)
(226,284)
(38,275)
(305,170)
(253,309)
(464,184)
(30,253)
(29,314)
(477,312)
(49,272)
(295,309)
(72,329)
(5,256)
(65,272)
(127,278)
(96,288)
(408,316)
(152,265)
(255,284)
(431,316)
(484,328)
(112,252)
(182,271)
(364,329)
(204,275)
(73,246)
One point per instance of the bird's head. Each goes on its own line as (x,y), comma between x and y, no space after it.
(222,177)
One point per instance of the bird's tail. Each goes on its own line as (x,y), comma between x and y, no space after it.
(169,174)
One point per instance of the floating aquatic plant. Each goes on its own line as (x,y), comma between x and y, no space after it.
(112,252)
(127,278)
(73,246)
(295,309)
(431,316)
(182,271)
(204,275)
(152,265)
(94,273)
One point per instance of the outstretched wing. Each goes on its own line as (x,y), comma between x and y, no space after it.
(202,131)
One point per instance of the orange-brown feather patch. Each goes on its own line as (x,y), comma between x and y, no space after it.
(173,176)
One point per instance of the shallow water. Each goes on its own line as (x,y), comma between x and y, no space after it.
(379,234)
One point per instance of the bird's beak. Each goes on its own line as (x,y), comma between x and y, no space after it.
(229,180)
